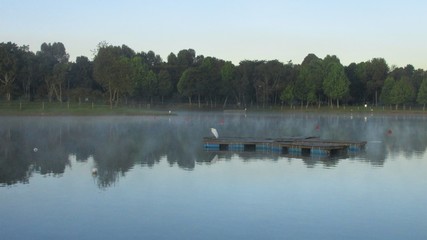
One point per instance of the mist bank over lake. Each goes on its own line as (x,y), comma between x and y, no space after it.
(43,145)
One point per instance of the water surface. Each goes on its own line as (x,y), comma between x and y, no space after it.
(155,181)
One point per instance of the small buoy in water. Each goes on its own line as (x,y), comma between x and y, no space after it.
(94,171)
(170,112)
(35,149)
(389,132)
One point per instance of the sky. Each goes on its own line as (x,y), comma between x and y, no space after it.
(232,30)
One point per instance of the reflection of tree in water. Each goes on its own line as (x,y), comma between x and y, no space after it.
(408,137)
(51,156)
(116,153)
(117,144)
(14,162)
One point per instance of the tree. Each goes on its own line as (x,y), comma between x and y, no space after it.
(376,73)
(273,79)
(102,71)
(80,82)
(53,66)
(187,85)
(112,70)
(165,84)
(309,80)
(246,88)
(422,93)
(386,92)
(56,51)
(127,52)
(335,83)
(27,70)
(289,76)
(362,75)
(186,58)
(228,81)
(287,95)
(125,84)
(139,71)
(208,84)
(118,72)
(151,59)
(300,88)
(356,74)
(8,67)
(417,78)
(172,59)
(150,85)
(56,80)
(402,92)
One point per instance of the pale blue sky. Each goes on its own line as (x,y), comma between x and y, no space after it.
(355,31)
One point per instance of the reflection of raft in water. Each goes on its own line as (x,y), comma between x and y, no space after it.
(311,146)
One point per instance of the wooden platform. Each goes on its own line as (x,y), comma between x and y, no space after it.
(300,145)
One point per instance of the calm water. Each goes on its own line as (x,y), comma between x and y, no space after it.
(155,181)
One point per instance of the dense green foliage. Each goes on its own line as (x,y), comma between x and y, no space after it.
(422,93)
(119,74)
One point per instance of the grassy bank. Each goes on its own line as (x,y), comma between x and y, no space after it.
(346,109)
(40,108)
(74,109)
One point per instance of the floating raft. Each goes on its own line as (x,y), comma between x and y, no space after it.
(312,146)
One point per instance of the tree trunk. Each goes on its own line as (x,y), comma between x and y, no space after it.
(225,102)
(116,98)
(60,92)
(338,103)
(7,81)
(110,91)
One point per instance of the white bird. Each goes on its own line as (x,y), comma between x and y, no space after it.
(214,132)
(35,149)
(94,171)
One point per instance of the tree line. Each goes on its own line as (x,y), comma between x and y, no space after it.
(119,74)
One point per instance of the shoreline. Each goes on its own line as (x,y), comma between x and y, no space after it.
(172,111)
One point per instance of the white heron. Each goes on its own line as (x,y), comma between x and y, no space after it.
(214,132)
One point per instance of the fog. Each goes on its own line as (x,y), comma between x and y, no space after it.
(43,145)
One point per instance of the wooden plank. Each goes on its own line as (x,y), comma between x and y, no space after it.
(307,145)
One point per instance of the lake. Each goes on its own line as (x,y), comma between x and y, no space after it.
(154,179)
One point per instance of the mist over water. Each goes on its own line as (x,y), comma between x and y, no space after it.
(160,161)
(119,143)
